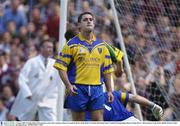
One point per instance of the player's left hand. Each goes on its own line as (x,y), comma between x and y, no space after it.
(157,111)
(110,97)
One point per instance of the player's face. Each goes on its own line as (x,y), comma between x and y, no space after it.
(87,23)
(47,49)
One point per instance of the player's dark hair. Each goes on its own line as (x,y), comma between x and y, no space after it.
(84,13)
(69,34)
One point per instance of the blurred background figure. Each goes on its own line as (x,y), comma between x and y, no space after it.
(38,83)
(14,14)
(8,96)
(173,111)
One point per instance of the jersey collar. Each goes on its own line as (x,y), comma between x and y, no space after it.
(93,38)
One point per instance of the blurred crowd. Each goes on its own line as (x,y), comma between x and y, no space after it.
(151,33)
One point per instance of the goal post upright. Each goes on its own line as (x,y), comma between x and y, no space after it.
(62,30)
(128,69)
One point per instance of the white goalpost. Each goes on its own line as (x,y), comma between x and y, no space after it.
(128,69)
(62,30)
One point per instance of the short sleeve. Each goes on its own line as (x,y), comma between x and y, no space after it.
(123,97)
(64,58)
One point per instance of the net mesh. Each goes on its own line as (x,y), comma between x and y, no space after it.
(151,35)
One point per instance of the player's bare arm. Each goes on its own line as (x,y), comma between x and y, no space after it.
(107,79)
(156,109)
(119,70)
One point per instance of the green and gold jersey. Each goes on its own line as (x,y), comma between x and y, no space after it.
(118,54)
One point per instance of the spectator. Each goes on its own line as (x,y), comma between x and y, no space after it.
(43,31)
(72,13)
(5,3)
(85,6)
(15,15)
(53,22)
(8,96)
(155,89)
(36,19)
(5,43)
(32,30)
(2,28)
(173,112)
(43,6)
(23,34)
(4,70)
(11,28)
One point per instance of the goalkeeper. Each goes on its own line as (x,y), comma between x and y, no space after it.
(116,110)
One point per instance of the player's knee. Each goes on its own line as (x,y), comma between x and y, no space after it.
(97,115)
(97,119)
(78,116)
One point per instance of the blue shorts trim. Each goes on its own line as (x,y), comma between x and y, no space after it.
(89,98)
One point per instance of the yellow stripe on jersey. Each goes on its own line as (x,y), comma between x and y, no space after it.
(63,59)
(123,97)
(119,54)
(85,63)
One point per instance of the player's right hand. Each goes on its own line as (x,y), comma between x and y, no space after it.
(72,90)
(110,97)
(157,111)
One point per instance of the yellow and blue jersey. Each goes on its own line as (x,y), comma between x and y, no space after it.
(85,62)
(116,111)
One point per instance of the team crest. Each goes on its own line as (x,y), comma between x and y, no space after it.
(100,50)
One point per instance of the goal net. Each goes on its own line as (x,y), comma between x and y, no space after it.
(151,33)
